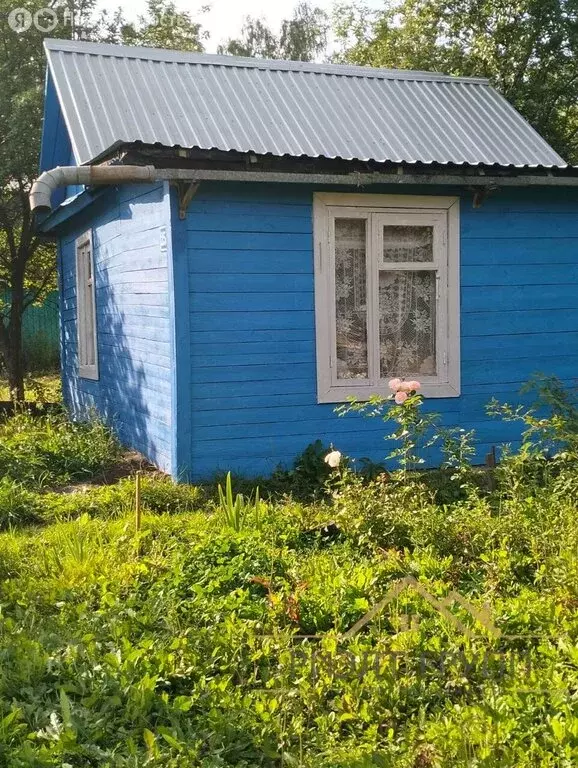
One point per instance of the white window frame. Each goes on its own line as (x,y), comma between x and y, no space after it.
(440,212)
(85,303)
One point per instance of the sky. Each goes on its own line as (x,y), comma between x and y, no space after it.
(225,17)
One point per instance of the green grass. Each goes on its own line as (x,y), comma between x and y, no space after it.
(41,387)
(191,646)
(49,450)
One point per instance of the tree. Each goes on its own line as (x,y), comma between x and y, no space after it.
(256,40)
(27,263)
(527,49)
(163,26)
(301,38)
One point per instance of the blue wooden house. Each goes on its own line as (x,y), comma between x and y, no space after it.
(243,244)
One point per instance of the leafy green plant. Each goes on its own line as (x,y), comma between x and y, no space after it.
(414,430)
(310,471)
(549,438)
(307,478)
(43,389)
(38,387)
(236,511)
(550,424)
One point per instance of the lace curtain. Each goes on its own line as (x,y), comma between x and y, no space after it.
(351,298)
(407,323)
(407,302)
(405,243)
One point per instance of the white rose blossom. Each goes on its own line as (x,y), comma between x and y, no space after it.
(333,458)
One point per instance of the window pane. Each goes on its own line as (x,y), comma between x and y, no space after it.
(86,313)
(82,304)
(351,298)
(407,323)
(90,351)
(407,244)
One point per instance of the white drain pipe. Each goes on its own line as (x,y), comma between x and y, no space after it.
(70,175)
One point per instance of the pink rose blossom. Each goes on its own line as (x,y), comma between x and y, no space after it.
(404,387)
(400,397)
(395,384)
(414,385)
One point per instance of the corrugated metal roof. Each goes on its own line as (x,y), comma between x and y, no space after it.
(113,95)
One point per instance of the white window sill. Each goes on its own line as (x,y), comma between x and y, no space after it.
(88,372)
(343,393)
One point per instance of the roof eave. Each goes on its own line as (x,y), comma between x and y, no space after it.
(407,169)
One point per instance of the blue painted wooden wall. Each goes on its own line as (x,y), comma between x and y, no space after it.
(207,350)
(250,336)
(135,335)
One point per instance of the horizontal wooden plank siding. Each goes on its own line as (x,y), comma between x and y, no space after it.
(135,356)
(252,324)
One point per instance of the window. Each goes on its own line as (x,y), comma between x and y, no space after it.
(386,293)
(86,308)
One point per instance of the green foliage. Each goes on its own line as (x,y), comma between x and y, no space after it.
(50,450)
(162,495)
(417,431)
(308,478)
(549,446)
(189,655)
(27,264)
(43,389)
(18,507)
(159,495)
(38,388)
(237,512)
(414,429)
(163,26)
(199,651)
(411,425)
(527,49)
(306,481)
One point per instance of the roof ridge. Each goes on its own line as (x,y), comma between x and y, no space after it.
(208,59)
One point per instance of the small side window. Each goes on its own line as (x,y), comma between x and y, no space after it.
(86,308)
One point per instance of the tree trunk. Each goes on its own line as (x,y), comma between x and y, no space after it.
(11,341)
(14,361)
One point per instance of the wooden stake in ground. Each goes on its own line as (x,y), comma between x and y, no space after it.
(491,467)
(137,511)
